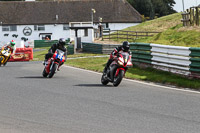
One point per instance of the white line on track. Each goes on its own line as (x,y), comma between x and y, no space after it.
(141,82)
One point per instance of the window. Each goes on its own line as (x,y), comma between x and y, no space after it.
(107,25)
(5,28)
(65,27)
(13,28)
(45,36)
(9,28)
(39,27)
(86,32)
(35,27)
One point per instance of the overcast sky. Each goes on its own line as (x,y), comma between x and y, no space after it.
(187,4)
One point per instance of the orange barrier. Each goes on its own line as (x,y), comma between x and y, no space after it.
(22,54)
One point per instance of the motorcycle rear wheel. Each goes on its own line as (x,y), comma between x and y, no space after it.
(53,70)
(118,79)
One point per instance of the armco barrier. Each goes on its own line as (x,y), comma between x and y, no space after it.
(175,59)
(46,43)
(92,48)
(98,48)
(22,54)
(70,49)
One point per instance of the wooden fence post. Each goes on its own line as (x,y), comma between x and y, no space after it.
(197,16)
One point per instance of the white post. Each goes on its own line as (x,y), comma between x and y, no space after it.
(183,5)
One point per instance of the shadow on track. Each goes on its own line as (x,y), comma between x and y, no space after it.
(93,85)
(32,77)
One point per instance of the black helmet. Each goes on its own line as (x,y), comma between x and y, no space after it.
(126,45)
(61,41)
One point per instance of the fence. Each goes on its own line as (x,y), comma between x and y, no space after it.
(191,16)
(98,48)
(126,35)
(70,49)
(46,43)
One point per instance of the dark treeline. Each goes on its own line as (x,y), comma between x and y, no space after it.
(153,8)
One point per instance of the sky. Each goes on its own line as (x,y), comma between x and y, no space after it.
(187,4)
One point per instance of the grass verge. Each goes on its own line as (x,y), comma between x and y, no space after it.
(39,54)
(149,74)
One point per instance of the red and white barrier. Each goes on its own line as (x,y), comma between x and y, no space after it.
(22,54)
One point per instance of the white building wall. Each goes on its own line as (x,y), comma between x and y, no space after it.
(121,26)
(81,33)
(84,38)
(56,30)
(117,26)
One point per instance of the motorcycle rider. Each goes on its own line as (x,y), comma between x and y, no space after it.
(60,45)
(11,45)
(124,47)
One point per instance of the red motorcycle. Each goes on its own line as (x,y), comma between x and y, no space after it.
(117,69)
(54,63)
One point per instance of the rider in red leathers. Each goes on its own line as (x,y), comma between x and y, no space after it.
(125,47)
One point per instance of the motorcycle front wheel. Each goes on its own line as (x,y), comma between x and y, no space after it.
(118,79)
(44,73)
(1,58)
(53,70)
(103,80)
(6,61)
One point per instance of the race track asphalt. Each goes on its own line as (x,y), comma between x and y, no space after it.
(74,101)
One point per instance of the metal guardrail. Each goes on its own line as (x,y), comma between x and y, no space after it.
(175,59)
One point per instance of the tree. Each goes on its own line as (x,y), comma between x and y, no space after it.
(12,0)
(152,8)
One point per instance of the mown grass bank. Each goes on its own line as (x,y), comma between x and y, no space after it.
(172,32)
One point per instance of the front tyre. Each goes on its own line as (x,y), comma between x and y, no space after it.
(1,58)
(44,73)
(118,79)
(53,70)
(6,61)
(103,80)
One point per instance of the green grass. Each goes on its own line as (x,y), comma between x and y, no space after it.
(175,36)
(172,32)
(149,74)
(160,24)
(39,55)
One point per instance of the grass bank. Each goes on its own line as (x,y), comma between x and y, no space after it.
(172,32)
